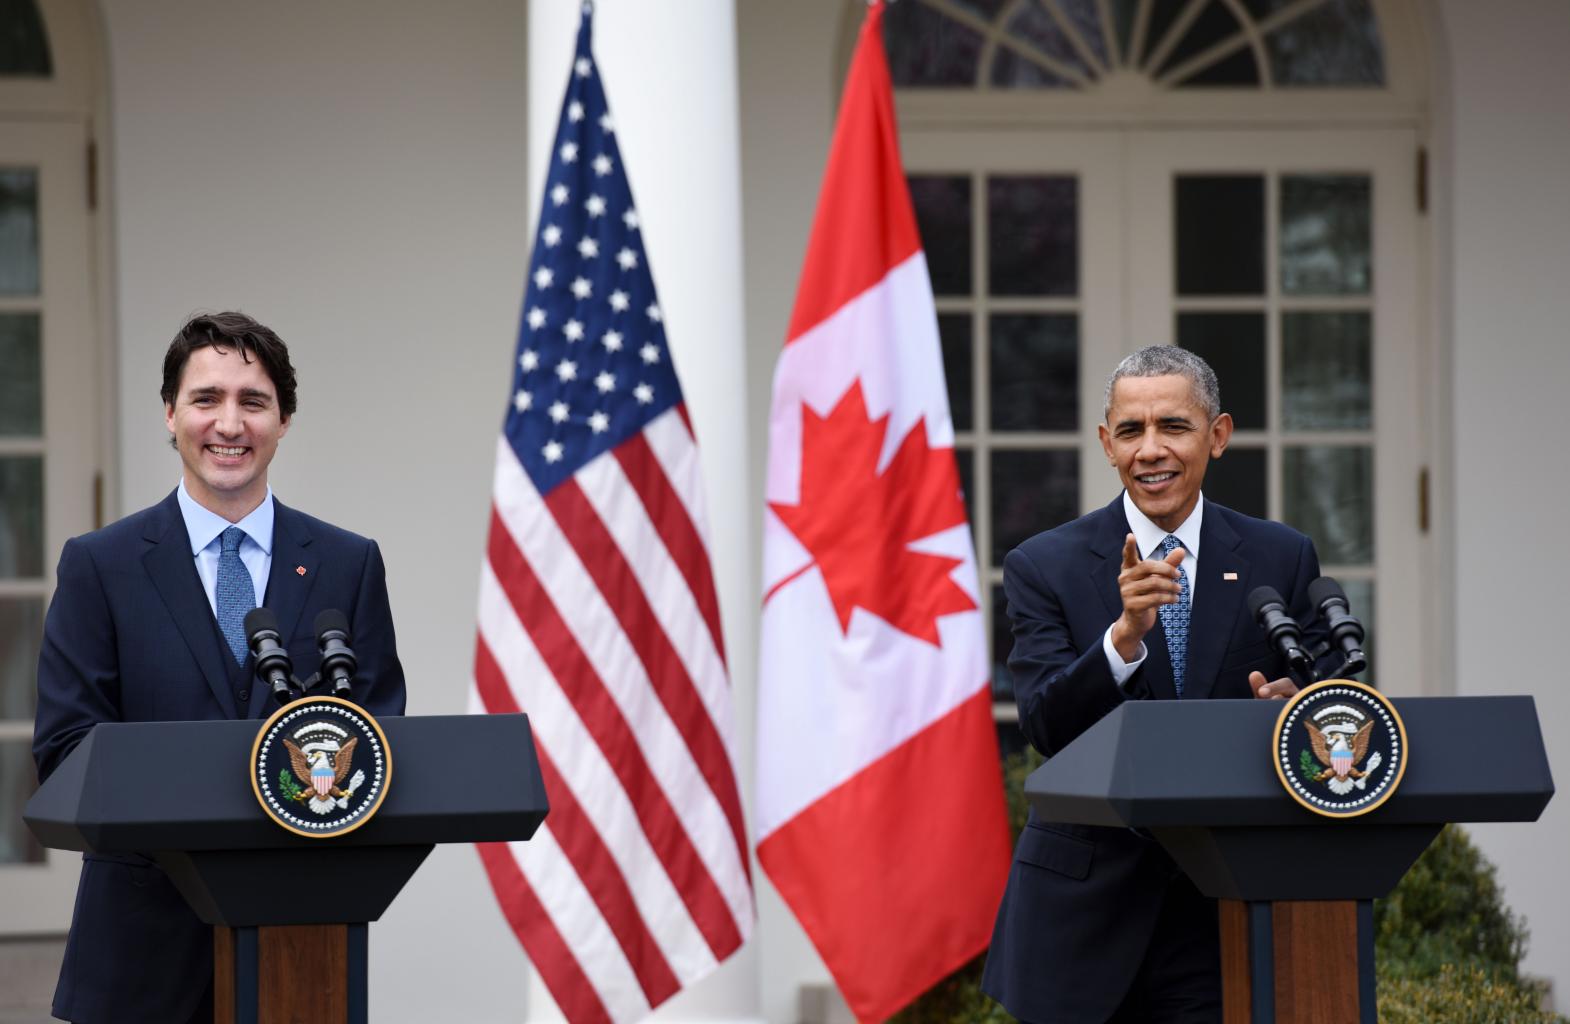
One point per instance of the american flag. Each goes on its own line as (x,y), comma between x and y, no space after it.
(598,614)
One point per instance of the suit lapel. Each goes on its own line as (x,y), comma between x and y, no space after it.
(287,586)
(1217,601)
(173,571)
(1108,543)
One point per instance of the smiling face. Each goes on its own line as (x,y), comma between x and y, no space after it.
(1160,439)
(226,423)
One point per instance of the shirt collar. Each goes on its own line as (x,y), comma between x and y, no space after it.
(203,525)
(1149,536)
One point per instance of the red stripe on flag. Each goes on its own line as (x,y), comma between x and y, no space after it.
(865,225)
(581,842)
(615,579)
(886,871)
(585,690)
(558,968)
(675,528)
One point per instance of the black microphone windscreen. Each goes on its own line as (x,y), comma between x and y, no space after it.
(259,619)
(1323,589)
(332,619)
(1261,596)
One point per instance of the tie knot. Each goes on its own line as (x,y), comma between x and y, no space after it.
(231,539)
(1169,544)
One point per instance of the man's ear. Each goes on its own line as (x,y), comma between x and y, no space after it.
(1220,434)
(1106,443)
(283,424)
(169,417)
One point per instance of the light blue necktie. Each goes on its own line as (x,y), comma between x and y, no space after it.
(1174,620)
(236,594)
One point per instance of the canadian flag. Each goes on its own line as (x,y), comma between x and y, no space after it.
(880,810)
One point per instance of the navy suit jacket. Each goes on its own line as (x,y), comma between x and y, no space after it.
(1082,901)
(130,637)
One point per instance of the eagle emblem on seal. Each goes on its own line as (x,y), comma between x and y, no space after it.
(1340,745)
(322,766)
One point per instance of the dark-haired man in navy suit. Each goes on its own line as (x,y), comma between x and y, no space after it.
(145,625)
(1142,599)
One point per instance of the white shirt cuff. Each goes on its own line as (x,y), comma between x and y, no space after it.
(1122,670)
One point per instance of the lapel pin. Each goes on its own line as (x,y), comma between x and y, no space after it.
(300,571)
(1230,577)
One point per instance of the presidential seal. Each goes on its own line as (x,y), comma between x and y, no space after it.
(1340,748)
(320,767)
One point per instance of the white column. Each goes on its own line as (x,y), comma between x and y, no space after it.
(669,71)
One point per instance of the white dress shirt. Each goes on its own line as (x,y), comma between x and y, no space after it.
(205,529)
(1147,538)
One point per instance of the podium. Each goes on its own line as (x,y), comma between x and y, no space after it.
(456,779)
(1296,889)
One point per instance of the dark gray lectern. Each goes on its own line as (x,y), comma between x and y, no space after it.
(455,779)
(1296,888)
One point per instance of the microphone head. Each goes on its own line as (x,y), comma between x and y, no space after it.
(1260,597)
(260,620)
(1325,589)
(331,619)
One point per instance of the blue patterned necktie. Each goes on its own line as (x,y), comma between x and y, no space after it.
(236,594)
(1174,620)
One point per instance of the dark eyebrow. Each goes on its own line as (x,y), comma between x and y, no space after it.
(1175,421)
(212,391)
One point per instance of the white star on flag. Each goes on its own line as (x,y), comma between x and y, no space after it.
(581,288)
(552,451)
(606,381)
(536,318)
(643,393)
(630,218)
(529,360)
(599,422)
(551,235)
(602,165)
(619,301)
(522,401)
(566,370)
(650,353)
(559,195)
(559,412)
(595,205)
(627,259)
(569,152)
(612,341)
(572,330)
(575,111)
(582,66)
(543,277)
(654,312)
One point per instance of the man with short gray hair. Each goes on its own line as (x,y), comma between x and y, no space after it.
(1140,600)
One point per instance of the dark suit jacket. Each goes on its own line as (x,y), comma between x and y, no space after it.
(130,637)
(1082,901)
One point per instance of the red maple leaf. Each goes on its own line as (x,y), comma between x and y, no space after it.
(859,523)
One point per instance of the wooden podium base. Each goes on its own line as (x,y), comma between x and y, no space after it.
(284,974)
(1297,962)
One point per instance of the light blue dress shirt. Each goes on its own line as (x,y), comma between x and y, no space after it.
(205,528)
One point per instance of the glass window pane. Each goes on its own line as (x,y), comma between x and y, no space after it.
(18,779)
(24,45)
(21,516)
(1123,13)
(21,376)
(1237,68)
(1215,24)
(1002,643)
(1035,26)
(21,633)
(18,231)
(1327,375)
(1325,240)
(1033,235)
(929,49)
(1220,234)
(1010,70)
(1234,346)
(943,218)
(954,331)
(966,459)
(1086,18)
(1162,14)
(1240,481)
(1334,44)
(1035,371)
(1031,491)
(1329,494)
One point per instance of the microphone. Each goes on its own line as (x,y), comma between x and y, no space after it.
(273,664)
(338,661)
(1327,597)
(1270,611)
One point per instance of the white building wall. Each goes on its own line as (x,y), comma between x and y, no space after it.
(1508,221)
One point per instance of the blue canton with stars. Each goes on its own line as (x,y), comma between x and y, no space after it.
(592,367)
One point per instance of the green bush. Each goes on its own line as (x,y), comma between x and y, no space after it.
(1448,950)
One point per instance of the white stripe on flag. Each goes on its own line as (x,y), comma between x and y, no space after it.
(599,633)
(676,453)
(573,913)
(582,765)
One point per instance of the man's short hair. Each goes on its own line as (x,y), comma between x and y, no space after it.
(224,331)
(1168,361)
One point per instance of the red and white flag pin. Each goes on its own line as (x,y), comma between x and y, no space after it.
(1230,577)
(300,571)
